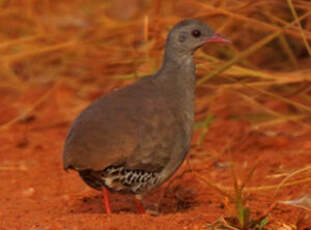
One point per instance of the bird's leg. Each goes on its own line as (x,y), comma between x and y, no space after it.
(106,200)
(138,204)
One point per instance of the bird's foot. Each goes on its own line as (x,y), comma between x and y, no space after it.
(139,205)
(106,200)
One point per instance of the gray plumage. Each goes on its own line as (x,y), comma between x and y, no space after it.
(135,138)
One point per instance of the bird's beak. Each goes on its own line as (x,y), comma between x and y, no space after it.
(217,38)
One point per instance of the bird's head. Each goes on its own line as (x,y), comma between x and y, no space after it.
(190,34)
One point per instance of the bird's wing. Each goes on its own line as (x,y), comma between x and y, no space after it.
(132,126)
(158,134)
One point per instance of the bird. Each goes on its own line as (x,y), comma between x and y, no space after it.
(133,139)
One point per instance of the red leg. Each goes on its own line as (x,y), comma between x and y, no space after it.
(139,206)
(106,200)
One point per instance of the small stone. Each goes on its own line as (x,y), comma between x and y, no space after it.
(28,192)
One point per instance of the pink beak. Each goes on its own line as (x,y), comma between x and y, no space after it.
(217,38)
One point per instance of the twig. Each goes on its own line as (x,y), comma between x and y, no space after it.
(246,53)
(292,8)
(283,182)
(30,109)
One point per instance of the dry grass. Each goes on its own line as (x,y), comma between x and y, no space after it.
(96,43)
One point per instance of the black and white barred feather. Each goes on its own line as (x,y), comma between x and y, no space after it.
(120,179)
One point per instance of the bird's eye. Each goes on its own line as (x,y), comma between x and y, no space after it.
(196,33)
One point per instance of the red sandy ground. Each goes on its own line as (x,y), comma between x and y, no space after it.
(35,192)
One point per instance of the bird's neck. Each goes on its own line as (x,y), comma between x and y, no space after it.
(179,61)
(178,71)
